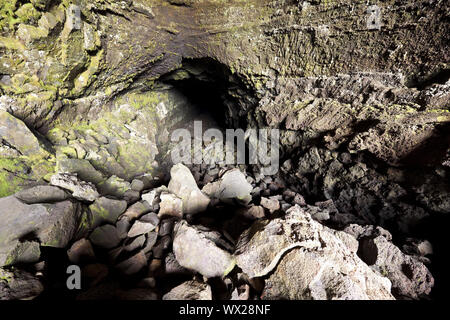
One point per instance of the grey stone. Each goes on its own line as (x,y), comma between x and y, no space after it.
(409,276)
(170,206)
(234,185)
(19,285)
(183,184)
(150,218)
(139,228)
(123,226)
(17,135)
(166,227)
(151,197)
(105,237)
(137,210)
(105,210)
(190,290)
(41,194)
(152,237)
(81,190)
(53,224)
(279,248)
(135,243)
(270,204)
(195,251)
(137,185)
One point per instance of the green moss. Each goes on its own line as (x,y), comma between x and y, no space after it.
(11,43)
(88,76)
(12,176)
(28,13)
(7,18)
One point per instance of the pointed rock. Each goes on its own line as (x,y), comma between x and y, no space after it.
(182,184)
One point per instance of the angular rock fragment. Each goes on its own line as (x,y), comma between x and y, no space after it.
(139,228)
(123,226)
(150,218)
(190,290)
(134,244)
(137,185)
(232,186)
(151,197)
(170,206)
(53,225)
(329,270)
(150,242)
(137,210)
(183,184)
(271,204)
(195,251)
(17,134)
(81,190)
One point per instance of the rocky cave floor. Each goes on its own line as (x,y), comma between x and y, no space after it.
(214,232)
(90,92)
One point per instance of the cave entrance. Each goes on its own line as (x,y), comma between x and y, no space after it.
(210,88)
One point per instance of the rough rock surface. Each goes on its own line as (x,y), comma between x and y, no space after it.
(19,285)
(106,210)
(183,184)
(361,98)
(41,194)
(80,190)
(329,268)
(196,251)
(190,290)
(408,274)
(52,225)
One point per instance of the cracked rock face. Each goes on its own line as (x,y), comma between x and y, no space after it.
(408,274)
(53,225)
(197,250)
(306,261)
(91,92)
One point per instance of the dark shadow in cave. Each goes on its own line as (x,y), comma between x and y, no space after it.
(206,84)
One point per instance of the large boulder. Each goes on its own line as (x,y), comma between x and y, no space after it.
(197,250)
(53,225)
(304,260)
(409,276)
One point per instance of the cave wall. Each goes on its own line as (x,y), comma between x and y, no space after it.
(62,71)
